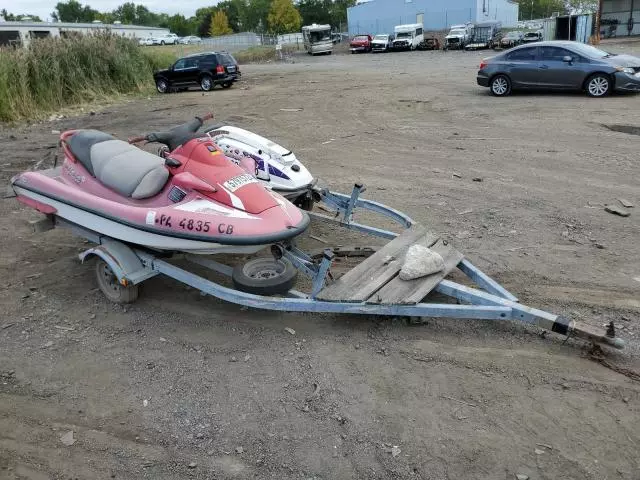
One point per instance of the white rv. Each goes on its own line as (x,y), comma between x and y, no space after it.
(408,37)
(317,39)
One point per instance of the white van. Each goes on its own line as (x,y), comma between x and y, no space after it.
(408,37)
(317,39)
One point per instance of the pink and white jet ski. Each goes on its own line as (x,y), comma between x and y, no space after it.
(195,200)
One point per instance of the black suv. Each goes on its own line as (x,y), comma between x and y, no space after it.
(204,69)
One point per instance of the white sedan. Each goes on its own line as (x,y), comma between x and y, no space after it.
(191,40)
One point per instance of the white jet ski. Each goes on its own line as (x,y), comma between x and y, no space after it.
(277,167)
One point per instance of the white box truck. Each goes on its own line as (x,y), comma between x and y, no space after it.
(408,37)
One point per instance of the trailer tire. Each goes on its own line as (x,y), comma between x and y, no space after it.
(111,287)
(265,276)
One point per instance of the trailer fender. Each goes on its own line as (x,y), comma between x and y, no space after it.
(123,261)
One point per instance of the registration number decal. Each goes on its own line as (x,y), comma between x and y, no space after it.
(235,183)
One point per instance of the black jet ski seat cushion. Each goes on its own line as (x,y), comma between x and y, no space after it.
(116,164)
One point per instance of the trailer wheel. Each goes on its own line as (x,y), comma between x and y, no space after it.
(265,276)
(111,287)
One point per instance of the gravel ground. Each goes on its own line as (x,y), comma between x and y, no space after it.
(179,385)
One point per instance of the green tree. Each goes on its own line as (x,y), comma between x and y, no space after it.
(315,11)
(126,13)
(203,20)
(284,17)
(534,9)
(257,15)
(219,24)
(339,11)
(582,6)
(236,11)
(74,11)
(10,17)
(179,25)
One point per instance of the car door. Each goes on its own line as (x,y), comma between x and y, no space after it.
(180,72)
(191,70)
(522,66)
(555,72)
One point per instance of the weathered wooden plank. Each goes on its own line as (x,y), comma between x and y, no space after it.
(410,292)
(361,282)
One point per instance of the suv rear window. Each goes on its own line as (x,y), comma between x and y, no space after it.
(226,59)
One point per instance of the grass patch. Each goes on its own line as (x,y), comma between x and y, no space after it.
(256,54)
(58,72)
(54,73)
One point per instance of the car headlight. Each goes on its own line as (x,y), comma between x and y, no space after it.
(628,70)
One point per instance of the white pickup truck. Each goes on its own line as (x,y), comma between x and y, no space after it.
(458,37)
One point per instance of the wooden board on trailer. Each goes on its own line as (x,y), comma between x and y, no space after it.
(359,283)
(410,292)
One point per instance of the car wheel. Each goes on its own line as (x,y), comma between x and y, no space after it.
(500,86)
(206,83)
(161,42)
(162,86)
(227,84)
(598,85)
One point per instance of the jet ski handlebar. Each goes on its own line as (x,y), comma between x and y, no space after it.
(177,135)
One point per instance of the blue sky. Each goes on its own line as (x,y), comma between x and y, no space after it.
(43,8)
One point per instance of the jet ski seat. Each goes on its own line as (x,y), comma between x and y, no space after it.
(122,167)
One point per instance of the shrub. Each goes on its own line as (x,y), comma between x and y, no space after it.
(56,72)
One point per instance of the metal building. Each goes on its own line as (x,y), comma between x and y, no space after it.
(21,32)
(380,16)
(578,28)
(620,18)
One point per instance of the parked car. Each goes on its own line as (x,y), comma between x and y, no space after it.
(429,43)
(360,43)
(166,39)
(382,43)
(511,39)
(190,40)
(531,37)
(204,69)
(145,41)
(560,65)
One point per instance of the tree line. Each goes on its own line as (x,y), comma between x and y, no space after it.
(536,9)
(228,16)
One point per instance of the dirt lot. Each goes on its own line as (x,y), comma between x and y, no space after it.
(183,386)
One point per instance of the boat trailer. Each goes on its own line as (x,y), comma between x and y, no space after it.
(373,287)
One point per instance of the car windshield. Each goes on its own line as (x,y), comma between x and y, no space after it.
(320,36)
(456,32)
(404,35)
(531,34)
(381,37)
(589,51)
(361,38)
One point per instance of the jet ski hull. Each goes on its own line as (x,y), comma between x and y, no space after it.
(195,224)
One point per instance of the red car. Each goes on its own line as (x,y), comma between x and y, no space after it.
(361,43)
